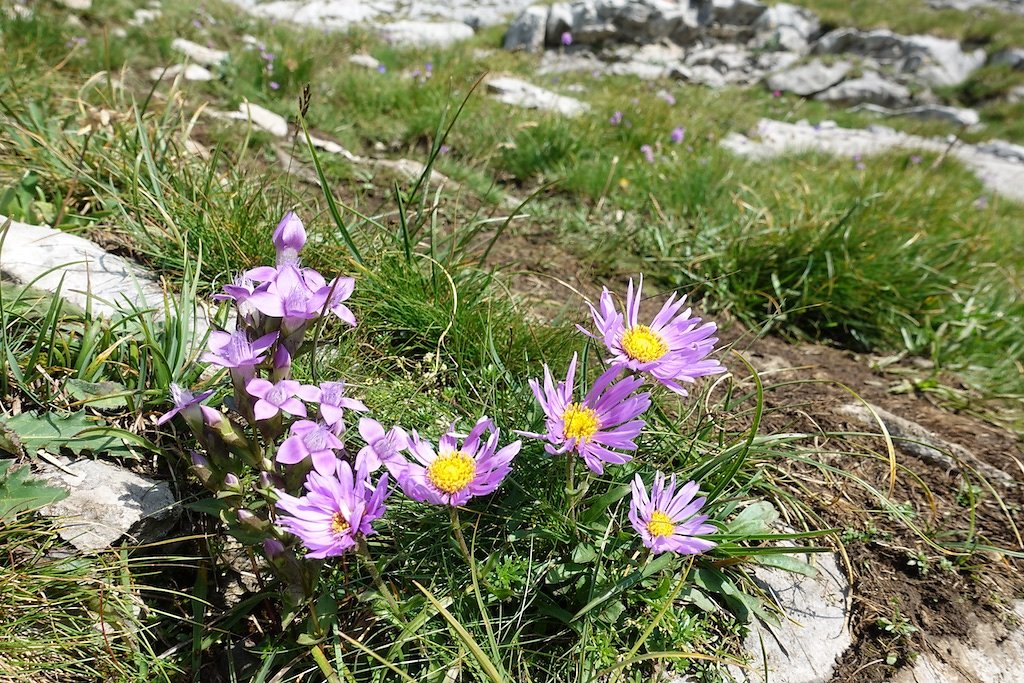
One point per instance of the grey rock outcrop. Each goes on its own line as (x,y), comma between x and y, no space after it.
(528,30)
(809,79)
(1012,57)
(870,87)
(786,27)
(106,504)
(200,54)
(933,112)
(520,93)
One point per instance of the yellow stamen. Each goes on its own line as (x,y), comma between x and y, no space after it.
(579,422)
(660,524)
(338,524)
(452,471)
(643,344)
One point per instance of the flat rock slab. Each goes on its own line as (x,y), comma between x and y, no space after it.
(411,33)
(107,503)
(84,272)
(190,72)
(1000,173)
(809,79)
(342,14)
(199,54)
(519,93)
(804,649)
(994,654)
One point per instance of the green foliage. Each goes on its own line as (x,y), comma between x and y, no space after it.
(21,492)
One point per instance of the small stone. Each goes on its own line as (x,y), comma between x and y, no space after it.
(77,5)
(365,61)
(190,72)
(868,88)
(275,124)
(809,79)
(198,53)
(144,16)
(1012,57)
(736,12)
(106,503)
(519,93)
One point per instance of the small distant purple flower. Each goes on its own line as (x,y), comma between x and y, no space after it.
(566,39)
(333,403)
(857,163)
(185,402)
(308,439)
(672,349)
(381,69)
(648,153)
(667,96)
(605,419)
(981,203)
(616,118)
(77,41)
(274,398)
(444,150)
(915,159)
(335,511)
(455,473)
(274,85)
(234,350)
(381,447)
(197,24)
(669,521)
(678,135)
(428,69)
(776,93)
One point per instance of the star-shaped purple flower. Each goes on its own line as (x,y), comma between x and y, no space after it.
(381,446)
(274,398)
(312,440)
(234,350)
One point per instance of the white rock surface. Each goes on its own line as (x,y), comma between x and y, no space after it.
(43,257)
(365,61)
(528,30)
(519,93)
(934,112)
(425,33)
(787,27)
(143,16)
(262,118)
(343,14)
(993,654)
(199,54)
(107,503)
(997,171)
(870,87)
(804,649)
(809,79)
(190,72)
(77,5)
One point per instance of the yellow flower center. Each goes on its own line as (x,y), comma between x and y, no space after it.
(579,422)
(452,471)
(338,524)
(660,524)
(642,344)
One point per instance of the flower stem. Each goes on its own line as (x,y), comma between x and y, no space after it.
(457,528)
(364,554)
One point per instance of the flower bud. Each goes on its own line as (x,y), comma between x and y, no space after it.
(231,482)
(289,238)
(247,518)
(273,547)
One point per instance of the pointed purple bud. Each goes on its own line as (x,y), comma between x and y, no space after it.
(232,482)
(247,518)
(289,238)
(273,547)
(282,359)
(199,462)
(266,480)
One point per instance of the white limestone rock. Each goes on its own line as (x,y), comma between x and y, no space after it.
(786,27)
(262,118)
(809,79)
(190,72)
(520,93)
(527,32)
(106,504)
(199,54)
(365,61)
(425,33)
(870,87)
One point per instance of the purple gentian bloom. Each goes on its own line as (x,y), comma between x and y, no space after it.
(566,39)
(289,297)
(648,153)
(915,159)
(667,96)
(186,403)
(616,118)
(333,403)
(274,85)
(274,398)
(238,291)
(673,348)
(336,509)
(339,290)
(289,238)
(381,69)
(667,520)
(678,134)
(234,350)
(381,447)
(455,473)
(605,419)
(308,439)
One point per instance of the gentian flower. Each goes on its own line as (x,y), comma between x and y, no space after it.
(566,39)
(455,473)
(339,290)
(616,118)
(648,153)
(605,419)
(678,134)
(308,439)
(289,297)
(188,405)
(234,350)
(333,403)
(335,511)
(667,520)
(673,348)
(289,238)
(274,398)
(381,447)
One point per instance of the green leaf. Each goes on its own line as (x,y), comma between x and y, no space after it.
(652,567)
(20,492)
(788,563)
(75,432)
(754,519)
(100,395)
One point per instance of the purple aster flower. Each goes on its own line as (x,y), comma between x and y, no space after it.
(333,403)
(234,350)
(308,439)
(455,473)
(667,520)
(648,153)
(677,135)
(188,405)
(673,348)
(616,118)
(339,290)
(336,509)
(566,39)
(381,447)
(289,238)
(274,398)
(605,419)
